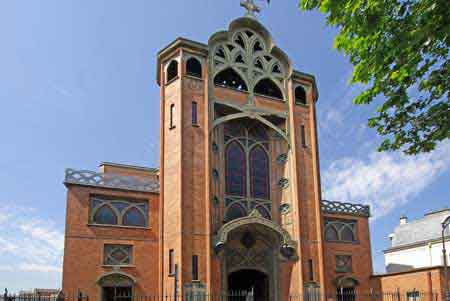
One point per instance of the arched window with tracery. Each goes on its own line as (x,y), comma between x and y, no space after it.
(259,173)
(105,216)
(236,165)
(247,169)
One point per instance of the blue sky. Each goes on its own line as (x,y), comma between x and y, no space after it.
(77,87)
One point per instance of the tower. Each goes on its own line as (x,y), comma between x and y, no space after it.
(236,202)
(240,188)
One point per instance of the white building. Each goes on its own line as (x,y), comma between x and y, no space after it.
(418,243)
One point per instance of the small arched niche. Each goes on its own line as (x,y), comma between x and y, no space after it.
(300,95)
(172,71)
(229,78)
(266,87)
(194,67)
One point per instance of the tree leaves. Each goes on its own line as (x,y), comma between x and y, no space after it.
(400,51)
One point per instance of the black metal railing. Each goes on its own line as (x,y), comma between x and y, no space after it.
(32,296)
(407,295)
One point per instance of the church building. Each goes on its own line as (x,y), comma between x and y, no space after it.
(235,204)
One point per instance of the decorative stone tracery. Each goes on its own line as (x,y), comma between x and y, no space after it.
(248,53)
(287,245)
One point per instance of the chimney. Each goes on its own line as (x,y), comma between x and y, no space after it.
(403,220)
(391,239)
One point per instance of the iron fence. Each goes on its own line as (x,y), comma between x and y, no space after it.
(345,295)
(43,297)
(412,295)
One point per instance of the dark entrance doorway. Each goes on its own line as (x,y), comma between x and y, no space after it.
(346,294)
(116,293)
(249,281)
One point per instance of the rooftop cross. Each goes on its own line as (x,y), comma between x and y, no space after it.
(251,7)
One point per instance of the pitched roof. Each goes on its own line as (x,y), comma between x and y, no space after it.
(421,230)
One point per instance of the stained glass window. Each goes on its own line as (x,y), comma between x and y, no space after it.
(134,217)
(235,169)
(119,212)
(331,234)
(343,263)
(264,213)
(235,211)
(117,255)
(259,170)
(340,230)
(347,234)
(105,216)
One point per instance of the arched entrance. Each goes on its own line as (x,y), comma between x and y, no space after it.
(252,281)
(116,287)
(346,288)
(250,249)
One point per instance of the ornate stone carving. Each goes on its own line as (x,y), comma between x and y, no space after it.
(90,178)
(249,55)
(287,244)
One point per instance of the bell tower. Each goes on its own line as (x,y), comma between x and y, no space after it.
(240,188)
(182,75)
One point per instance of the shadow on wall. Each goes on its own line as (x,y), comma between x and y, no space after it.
(396,268)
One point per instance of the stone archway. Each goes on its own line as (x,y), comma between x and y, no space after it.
(116,286)
(253,245)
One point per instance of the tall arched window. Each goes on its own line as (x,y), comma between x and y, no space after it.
(247,169)
(259,172)
(300,95)
(194,67)
(235,169)
(230,79)
(267,87)
(172,71)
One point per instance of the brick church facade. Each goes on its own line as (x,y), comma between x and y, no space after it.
(236,202)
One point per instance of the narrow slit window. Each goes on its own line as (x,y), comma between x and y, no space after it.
(303,135)
(194,113)
(171,261)
(195,267)
(311,270)
(172,116)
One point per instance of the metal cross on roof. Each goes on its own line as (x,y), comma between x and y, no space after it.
(251,7)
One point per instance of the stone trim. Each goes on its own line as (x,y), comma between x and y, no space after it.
(286,241)
(95,179)
(333,207)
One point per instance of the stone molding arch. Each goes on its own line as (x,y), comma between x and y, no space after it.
(287,245)
(346,282)
(252,115)
(116,277)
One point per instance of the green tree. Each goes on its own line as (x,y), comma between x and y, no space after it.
(400,52)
